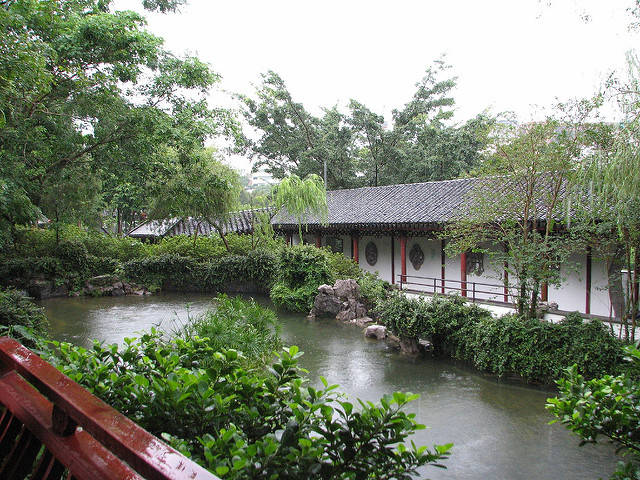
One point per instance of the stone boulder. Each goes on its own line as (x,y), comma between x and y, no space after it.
(347,289)
(362,321)
(103,280)
(326,303)
(379,332)
(410,346)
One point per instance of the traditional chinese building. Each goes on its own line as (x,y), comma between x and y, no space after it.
(395,230)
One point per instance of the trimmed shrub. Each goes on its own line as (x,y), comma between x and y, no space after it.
(22,319)
(174,272)
(537,351)
(205,248)
(73,255)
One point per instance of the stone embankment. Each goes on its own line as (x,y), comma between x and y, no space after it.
(101,286)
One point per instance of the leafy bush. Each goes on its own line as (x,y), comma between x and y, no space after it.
(121,249)
(205,248)
(186,274)
(604,407)
(537,351)
(73,255)
(22,319)
(342,267)
(23,269)
(303,268)
(102,265)
(239,324)
(373,289)
(245,423)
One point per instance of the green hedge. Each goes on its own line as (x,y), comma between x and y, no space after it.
(204,248)
(535,350)
(175,272)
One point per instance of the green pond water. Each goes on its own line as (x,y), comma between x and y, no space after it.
(500,430)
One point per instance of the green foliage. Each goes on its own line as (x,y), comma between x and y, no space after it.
(604,407)
(202,248)
(73,256)
(373,289)
(174,272)
(242,422)
(303,268)
(535,350)
(342,267)
(237,324)
(356,146)
(22,319)
(21,270)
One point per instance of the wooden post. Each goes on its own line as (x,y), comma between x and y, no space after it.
(463,274)
(318,240)
(443,260)
(544,293)
(393,260)
(354,245)
(403,258)
(289,240)
(587,308)
(506,283)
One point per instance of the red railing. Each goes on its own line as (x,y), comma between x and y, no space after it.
(469,289)
(41,411)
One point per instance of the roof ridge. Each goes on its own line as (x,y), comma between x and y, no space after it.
(453,180)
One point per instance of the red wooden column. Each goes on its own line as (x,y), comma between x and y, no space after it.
(354,245)
(443,260)
(463,274)
(318,240)
(587,308)
(544,293)
(403,259)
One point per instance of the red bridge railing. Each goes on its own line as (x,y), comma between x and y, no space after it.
(52,428)
(472,290)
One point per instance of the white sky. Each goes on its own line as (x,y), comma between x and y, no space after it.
(508,55)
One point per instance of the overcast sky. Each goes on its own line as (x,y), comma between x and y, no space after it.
(508,55)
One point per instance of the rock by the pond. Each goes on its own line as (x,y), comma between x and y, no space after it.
(362,321)
(409,346)
(117,292)
(347,289)
(379,332)
(393,341)
(326,289)
(41,289)
(103,280)
(326,305)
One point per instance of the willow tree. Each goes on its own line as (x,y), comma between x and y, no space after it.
(205,190)
(610,180)
(302,200)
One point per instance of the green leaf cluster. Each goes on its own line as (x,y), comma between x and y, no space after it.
(607,407)
(22,319)
(534,350)
(243,422)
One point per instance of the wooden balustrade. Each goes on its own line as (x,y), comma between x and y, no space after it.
(52,428)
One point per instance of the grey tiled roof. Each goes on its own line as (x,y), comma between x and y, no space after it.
(239,222)
(426,203)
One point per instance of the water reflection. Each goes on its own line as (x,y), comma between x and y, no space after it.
(500,430)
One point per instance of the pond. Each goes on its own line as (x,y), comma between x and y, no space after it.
(500,430)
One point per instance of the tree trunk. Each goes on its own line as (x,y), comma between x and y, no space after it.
(119,231)
(222,235)
(533,305)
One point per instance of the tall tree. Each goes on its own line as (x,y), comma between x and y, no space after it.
(80,84)
(518,207)
(206,191)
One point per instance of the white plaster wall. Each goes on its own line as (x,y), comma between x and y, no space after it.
(571,296)
(600,304)
(430,267)
(493,275)
(452,272)
(383,265)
